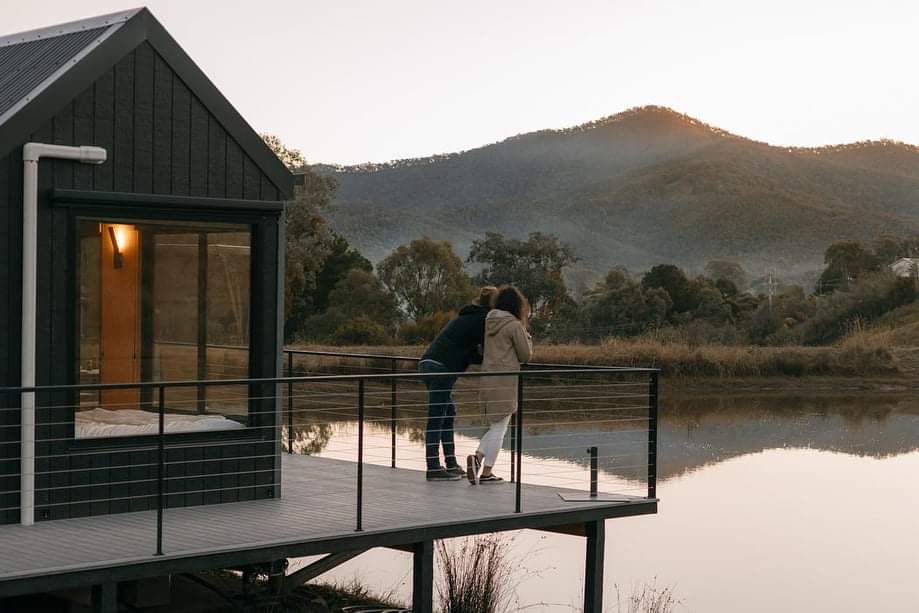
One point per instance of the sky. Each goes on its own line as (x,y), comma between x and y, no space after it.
(350,81)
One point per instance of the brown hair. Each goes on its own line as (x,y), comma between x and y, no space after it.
(512,300)
(486,295)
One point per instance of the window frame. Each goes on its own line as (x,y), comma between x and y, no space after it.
(262,217)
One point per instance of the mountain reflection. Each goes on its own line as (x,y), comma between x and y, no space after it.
(693,431)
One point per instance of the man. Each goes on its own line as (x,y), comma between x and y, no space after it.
(457,346)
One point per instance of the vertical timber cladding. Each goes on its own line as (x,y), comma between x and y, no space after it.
(161,140)
(10,273)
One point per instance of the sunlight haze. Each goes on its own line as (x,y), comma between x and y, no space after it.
(349,82)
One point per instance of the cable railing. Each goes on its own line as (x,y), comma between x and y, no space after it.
(579,434)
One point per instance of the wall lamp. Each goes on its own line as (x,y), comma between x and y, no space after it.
(117,256)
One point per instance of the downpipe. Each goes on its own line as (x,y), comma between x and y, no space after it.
(31,154)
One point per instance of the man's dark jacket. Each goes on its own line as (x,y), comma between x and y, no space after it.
(457,345)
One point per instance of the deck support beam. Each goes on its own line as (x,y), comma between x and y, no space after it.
(105,597)
(423,577)
(595,531)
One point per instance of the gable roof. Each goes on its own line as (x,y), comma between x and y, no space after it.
(42,69)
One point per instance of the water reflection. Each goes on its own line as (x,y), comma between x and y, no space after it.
(696,432)
(769,503)
(693,432)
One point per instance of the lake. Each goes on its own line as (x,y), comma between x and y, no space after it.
(768,503)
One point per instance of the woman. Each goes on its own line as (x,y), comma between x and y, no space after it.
(456,347)
(507,345)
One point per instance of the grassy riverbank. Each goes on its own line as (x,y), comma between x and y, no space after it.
(882,357)
(861,357)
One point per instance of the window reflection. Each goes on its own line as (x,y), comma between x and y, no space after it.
(162,302)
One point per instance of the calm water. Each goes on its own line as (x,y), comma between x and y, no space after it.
(767,504)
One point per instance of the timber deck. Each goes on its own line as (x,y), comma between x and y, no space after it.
(316,514)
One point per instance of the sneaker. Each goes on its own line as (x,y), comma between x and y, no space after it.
(491,479)
(473,464)
(439,474)
(457,470)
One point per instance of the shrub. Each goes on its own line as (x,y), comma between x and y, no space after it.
(476,576)
(867,299)
(360,331)
(425,329)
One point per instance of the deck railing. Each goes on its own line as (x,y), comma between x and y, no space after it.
(578,429)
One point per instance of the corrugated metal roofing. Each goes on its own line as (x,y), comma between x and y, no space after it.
(25,66)
(30,61)
(32,64)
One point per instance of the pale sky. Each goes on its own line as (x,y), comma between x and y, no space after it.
(353,81)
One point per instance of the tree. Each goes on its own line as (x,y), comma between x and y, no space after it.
(718,270)
(309,238)
(711,306)
(292,158)
(535,266)
(888,249)
(341,260)
(845,261)
(619,306)
(426,276)
(359,304)
(309,241)
(682,291)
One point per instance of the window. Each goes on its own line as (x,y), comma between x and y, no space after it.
(161,301)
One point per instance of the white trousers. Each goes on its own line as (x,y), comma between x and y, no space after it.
(491,443)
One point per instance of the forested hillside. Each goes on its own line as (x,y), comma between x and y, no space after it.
(639,188)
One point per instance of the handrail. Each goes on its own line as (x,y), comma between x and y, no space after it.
(405,358)
(391,379)
(314,378)
(342,354)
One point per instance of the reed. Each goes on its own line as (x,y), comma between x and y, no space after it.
(856,356)
(475,575)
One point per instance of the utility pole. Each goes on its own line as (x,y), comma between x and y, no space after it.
(771,285)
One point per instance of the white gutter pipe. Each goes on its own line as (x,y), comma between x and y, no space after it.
(31,153)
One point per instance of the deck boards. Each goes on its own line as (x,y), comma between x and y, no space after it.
(318,503)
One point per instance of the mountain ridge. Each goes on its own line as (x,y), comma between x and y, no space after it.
(634,187)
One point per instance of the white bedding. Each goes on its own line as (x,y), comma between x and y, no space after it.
(102,423)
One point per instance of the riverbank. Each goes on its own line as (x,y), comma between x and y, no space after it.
(861,363)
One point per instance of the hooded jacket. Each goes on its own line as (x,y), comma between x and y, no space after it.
(507,346)
(457,345)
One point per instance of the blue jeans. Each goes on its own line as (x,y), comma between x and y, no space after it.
(441,411)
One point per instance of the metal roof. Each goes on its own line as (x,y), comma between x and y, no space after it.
(41,69)
(30,61)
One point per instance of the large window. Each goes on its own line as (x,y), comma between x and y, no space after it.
(162,302)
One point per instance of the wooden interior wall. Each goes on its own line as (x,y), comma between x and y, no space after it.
(161,140)
(120,314)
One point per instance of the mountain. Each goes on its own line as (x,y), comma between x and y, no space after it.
(639,188)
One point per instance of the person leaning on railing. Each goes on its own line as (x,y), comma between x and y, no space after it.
(457,346)
(508,344)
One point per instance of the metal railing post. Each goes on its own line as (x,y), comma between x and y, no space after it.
(594,471)
(652,436)
(513,446)
(519,441)
(360,454)
(290,403)
(160,470)
(392,419)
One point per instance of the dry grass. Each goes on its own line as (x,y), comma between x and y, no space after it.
(476,575)
(647,598)
(858,355)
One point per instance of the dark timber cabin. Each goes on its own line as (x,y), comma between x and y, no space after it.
(146,264)
(141,371)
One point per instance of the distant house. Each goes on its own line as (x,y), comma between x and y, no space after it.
(906,267)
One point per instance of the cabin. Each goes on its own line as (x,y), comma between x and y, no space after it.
(151,421)
(157,260)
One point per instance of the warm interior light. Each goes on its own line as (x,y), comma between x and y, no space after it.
(123,236)
(117,236)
